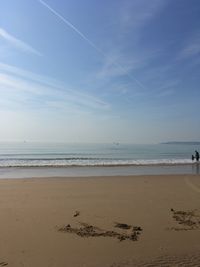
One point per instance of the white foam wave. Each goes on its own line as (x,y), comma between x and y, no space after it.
(89,162)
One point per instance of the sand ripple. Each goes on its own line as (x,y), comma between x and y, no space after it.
(165,261)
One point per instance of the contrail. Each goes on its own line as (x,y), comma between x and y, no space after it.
(71,26)
(89,41)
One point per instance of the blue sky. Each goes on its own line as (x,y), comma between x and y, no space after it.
(99,71)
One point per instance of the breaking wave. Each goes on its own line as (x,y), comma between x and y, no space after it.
(86,161)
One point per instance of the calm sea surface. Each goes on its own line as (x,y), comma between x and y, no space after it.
(125,157)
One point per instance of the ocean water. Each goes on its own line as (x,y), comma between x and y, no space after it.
(26,159)
(29,154)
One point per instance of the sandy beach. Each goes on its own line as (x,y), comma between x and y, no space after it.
(100,221)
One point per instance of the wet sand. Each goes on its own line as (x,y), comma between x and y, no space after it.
(91,171)
(100,221)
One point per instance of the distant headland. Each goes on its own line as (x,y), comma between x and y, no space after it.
(181,143)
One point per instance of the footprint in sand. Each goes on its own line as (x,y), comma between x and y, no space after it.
(3,263)
(122,226)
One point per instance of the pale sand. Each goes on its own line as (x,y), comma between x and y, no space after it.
(33,210)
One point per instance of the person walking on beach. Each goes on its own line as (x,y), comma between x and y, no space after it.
(197,155)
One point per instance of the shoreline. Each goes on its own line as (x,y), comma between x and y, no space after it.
(28,172)
(88,221)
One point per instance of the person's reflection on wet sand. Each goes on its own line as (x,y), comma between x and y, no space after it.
(195,168)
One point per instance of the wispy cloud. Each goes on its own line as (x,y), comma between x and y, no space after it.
(110,70)
(138,62)
(18,43)
(135,14)
(191,48)
(168,89)
(121,61)
(48,91)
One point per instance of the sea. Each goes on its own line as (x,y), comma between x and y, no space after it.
(36,159)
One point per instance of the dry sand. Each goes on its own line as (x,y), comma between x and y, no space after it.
(72,221)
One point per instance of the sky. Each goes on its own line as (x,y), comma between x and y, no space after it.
(100,71)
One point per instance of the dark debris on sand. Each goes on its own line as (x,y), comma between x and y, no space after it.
(77,213)
(86,230)
(189,220)
(122,226)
